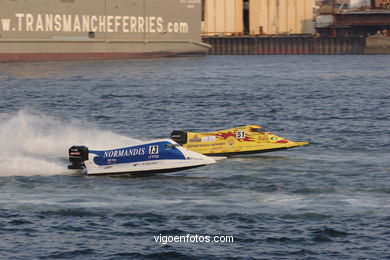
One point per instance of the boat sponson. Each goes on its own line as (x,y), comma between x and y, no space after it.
(144,173)
(228,154)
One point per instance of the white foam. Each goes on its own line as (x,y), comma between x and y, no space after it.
(37,144)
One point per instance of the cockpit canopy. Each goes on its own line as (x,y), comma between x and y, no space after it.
(258,130)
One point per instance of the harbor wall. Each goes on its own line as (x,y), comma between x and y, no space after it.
(285,45)
(378,44)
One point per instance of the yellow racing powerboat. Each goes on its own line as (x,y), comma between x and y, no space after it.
(248,139)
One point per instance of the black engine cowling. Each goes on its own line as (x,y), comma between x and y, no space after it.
(77,156)
(179,137)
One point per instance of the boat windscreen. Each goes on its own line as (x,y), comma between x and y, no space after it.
(258,130)
(173,146)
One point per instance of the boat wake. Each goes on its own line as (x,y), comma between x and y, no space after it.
(37,144)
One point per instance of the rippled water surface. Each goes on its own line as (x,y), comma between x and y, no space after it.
(328,200)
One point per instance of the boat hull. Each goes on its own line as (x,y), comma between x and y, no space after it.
(159,156)
(249,139)
(98,29)
(229,154)
(41,57)
(144,172)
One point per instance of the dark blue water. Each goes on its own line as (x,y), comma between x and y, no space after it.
(328,200)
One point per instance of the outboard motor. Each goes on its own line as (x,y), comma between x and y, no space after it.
(179,137)
(77,156)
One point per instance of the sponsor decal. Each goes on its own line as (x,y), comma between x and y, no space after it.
(149,163)
(110,161)
(263,138)
(203,145)
(190,3)
(195,139)
(209,138)
(124,152)
(41,22)
(226,135)
(230,140)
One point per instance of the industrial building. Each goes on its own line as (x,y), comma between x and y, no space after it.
(258,27)
(222,17)
(257,17)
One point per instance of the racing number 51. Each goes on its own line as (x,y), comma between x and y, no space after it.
(240,135)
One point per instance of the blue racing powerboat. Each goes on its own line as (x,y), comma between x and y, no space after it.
(152,157)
